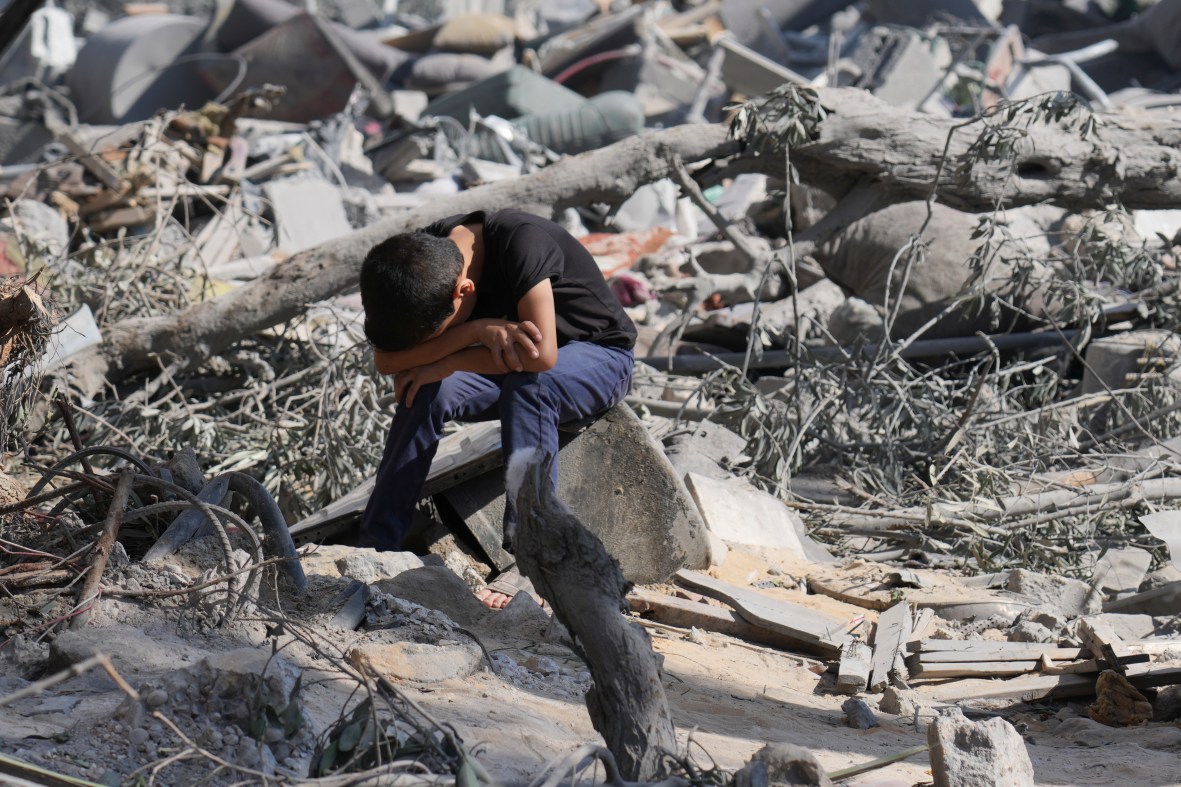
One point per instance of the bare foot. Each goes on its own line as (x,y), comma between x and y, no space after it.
(492,599)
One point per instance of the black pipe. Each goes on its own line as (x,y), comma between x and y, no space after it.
(14,19)
(923,348)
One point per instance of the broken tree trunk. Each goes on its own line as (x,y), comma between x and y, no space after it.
(866,149)
(573,572)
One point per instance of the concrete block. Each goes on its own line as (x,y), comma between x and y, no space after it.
(368,565)
(741,515)
(426,663)
(978,754)
(1073,597)
(615,477)
(307,211)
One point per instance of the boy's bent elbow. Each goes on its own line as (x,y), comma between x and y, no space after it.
(542,363)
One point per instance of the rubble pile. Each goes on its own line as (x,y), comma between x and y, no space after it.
(902,447)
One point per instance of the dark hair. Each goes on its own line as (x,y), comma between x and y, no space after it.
(407,288)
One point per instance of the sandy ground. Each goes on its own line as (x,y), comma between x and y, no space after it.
(727,699)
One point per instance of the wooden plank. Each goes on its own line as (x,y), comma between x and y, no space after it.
(970,669)
(1028,652)
(923,619)
(1027,688)
(894,627)
(685,613)
(1149,675)
(823,635)
(473,450)
(1101,639)
(853,672)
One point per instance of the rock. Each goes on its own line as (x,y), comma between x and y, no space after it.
(1118,703)
(1050,618)
(615,477)
(858,715)
(705,450)
(1070,596)
(11,490)
(417,661)
(63,704)
(1028,631)
(899,702)
(156,698)
(1167,705)
(785,764)
(131,650)
(369,565)
(138,736)
(25,658)
(437,587)
(977,754)
(1166,575)
(522,618)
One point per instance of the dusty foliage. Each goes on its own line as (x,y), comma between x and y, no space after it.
(900,432)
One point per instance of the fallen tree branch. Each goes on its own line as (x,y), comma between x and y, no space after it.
(573,572)
(862,142)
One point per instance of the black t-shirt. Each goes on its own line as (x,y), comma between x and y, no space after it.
(520,250)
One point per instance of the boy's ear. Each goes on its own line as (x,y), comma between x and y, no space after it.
(464,287)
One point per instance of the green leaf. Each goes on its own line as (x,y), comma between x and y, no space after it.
(327,759)
(349,736)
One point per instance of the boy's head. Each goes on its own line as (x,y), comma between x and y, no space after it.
(408,288)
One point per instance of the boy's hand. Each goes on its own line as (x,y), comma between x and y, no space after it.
(506,340)
(407,383)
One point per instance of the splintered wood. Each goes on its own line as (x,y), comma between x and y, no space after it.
(21,312)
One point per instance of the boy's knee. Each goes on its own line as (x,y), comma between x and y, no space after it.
(524,385)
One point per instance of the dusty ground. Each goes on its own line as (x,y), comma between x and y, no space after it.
(728,697)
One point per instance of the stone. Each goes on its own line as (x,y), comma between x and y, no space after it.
(63,704)
(1028,631)
(369,565)
(1118,703)
(787,764)
(439,588)
(616,479)
(1052,619)
(131,650)
(1071,596)
(425,663)
(977,754)
(521,618)
(1167,704)
(899,702)
(707,449)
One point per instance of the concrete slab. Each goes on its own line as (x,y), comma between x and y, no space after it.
(308,211)
(615,477)
(743,516)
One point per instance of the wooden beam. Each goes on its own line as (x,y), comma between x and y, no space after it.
(816,633)
(1027,688)
(684,613)
(1101,639)
(894,627)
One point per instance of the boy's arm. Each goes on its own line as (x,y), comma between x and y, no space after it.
(535,307)
(446,343)
(501,336)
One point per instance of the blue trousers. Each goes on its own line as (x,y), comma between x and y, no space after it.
(587,380)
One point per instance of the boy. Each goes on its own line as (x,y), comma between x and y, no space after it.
(499,315)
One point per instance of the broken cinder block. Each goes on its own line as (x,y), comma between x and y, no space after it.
(977,754)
